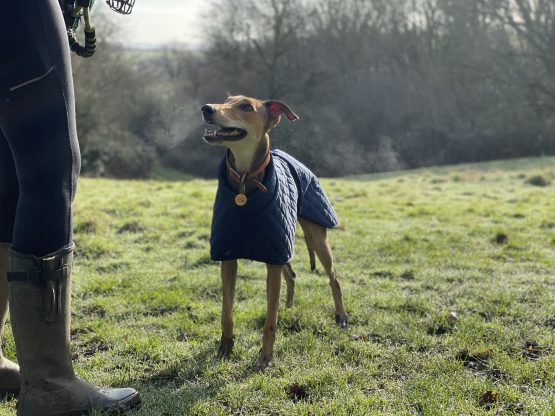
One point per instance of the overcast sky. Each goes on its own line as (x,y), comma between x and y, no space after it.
(158,22)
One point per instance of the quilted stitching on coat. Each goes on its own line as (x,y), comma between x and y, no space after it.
(264,229)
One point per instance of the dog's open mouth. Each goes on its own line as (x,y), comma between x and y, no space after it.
(224,133)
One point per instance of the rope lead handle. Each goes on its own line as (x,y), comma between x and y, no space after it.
(72,9)
(90,43)
(90,35)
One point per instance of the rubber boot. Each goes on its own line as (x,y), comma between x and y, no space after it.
(40,298)
(9,372)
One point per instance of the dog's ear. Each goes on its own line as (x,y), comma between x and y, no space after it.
(276,108)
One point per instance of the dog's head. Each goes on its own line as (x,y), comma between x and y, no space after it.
(242,119)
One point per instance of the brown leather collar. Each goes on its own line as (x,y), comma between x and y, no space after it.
(249,176)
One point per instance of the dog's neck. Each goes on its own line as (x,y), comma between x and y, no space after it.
(245,159)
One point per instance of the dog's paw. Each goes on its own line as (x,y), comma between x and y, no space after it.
(263,363)
(225,348)
(342,321)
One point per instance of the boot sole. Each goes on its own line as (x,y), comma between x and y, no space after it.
(131,403)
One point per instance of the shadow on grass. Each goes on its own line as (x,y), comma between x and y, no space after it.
(177,388)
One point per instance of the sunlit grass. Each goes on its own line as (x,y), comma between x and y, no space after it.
(477,240)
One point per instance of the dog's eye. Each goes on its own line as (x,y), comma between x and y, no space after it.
(246,107)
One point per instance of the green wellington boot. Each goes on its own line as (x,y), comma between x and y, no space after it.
(9,372)
(40,299)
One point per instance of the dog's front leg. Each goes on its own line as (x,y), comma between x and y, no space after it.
(273,285)
(229,277)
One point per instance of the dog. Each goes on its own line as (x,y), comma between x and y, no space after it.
(261,196)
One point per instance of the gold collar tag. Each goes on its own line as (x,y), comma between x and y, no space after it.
(241,199)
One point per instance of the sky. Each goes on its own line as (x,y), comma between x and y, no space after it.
(159,22)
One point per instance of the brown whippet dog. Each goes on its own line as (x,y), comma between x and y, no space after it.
(243,125)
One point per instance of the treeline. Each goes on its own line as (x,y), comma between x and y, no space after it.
(378,84)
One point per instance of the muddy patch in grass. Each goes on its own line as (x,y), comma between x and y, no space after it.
(202,261)
(193,244)
(130,227)
(112,267)
(440,329)
(92,251)
(408,275)
(384,274)
(161,310)
(86,227)
(93,310)
(296,392)
(488,400)
(362,337)
(531,350)
(500,238)
(185,234)
(380,274)
(479,362)
(91,347)
(75,332)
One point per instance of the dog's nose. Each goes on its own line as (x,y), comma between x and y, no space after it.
(207,110)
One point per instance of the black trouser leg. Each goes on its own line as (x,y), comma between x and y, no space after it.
(37,118)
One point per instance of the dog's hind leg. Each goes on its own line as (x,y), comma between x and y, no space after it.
(317,235)
(273,286)
(310,253)
(290,276)
(229,277)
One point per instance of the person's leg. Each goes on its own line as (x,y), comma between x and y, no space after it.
(9,372)
(10,382)
(38,119)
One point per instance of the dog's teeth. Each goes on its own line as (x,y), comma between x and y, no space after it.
(209,132)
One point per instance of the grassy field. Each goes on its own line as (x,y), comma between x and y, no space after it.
(414,248)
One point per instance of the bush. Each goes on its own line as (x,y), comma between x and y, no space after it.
(117,153)
(538,180)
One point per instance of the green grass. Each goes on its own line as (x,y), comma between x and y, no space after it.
(477,240)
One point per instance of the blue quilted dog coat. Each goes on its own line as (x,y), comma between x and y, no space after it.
(264,229)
